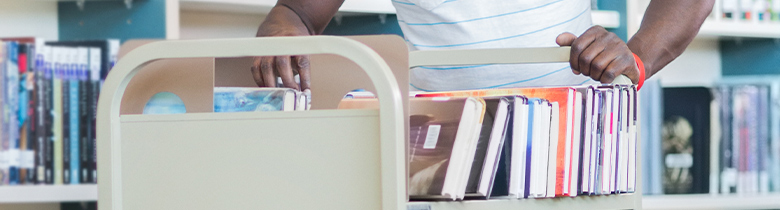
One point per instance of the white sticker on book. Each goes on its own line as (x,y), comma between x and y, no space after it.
(13,157)
(3,160)
(681,160)
(432,137)
(440,99)
(28,159)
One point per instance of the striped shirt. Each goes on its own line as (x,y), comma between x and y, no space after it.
(468,24)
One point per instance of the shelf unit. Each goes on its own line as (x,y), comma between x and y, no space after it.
(48,193)
(724,28)
(708,201)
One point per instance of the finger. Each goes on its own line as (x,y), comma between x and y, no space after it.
(577,47)
(565,39)
(621,65)
(602,62)
(267,71)
(255,71)
(588,55)
(302,66)
(282,65)
(580,44)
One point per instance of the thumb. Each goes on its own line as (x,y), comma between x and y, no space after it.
(565,39)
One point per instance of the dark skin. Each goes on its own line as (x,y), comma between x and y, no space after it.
(668,27)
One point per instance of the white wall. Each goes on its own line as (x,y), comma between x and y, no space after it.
(29,18)
(210,25)
(699,65)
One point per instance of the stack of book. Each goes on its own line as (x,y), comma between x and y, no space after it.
(520,143)
(49,103)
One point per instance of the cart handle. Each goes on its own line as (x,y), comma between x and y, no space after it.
(390,115)
(495,56)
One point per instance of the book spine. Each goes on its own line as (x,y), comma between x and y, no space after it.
(64,131)
(94,84)
(44,133)
(56,129)
(12,107)
(84,122)
(77,116)
(4,61)
(73,116)
(39,112)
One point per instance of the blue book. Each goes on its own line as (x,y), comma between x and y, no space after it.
(73,117)
(532,103)
(255,99)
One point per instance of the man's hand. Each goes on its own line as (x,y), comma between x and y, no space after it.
(292,18)
(284,22)
(600,54)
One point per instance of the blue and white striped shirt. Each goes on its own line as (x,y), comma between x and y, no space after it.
(466,24)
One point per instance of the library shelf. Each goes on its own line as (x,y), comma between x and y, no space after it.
(710,201)
(48,193)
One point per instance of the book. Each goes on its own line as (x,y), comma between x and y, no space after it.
(443,134)
(5,59)
(95,64)
(686,139)
(228,99)
(57,169)
(484,166)
(564,96)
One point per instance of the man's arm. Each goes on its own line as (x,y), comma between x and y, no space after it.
(292,18)
(667,29)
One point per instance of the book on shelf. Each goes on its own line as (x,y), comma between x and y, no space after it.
(244,99)
(48,105)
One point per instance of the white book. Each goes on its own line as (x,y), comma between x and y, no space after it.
(552,155)
(622,176)
(606,142)
(468,159)
(575,148)
(544,146)
(615,129)
(586,129)
(632,138)
(536,150)
(595,142)
(493,151)
(520,140)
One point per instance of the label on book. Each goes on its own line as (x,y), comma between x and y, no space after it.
(27,159)
(13,157)
(418,207)
(432,137)
(440,99)
(3,160)
(681,160)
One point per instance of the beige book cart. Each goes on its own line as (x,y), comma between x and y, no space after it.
(317,159)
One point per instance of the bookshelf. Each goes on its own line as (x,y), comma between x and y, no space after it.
(48,193)
(723,28)
(708,201)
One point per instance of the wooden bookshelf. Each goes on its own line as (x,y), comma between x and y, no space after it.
(48,193)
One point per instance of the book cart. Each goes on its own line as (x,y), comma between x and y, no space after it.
(317,159)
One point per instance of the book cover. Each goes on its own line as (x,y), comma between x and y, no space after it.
(254,99)
(564,96)
(64,112)
(95,64)
(57,157)
(686,139)
(46,156)
(491,138)
(73,108)
(441,133)
(10,114)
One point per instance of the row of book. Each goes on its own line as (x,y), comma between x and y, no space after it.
(521,142)
(49,104)
(720,140)
(748,10)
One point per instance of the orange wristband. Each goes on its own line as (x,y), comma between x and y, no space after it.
(641,67)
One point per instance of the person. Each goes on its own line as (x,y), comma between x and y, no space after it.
(597,55)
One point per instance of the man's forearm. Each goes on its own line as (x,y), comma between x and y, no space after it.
(667,29)
(315,14)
